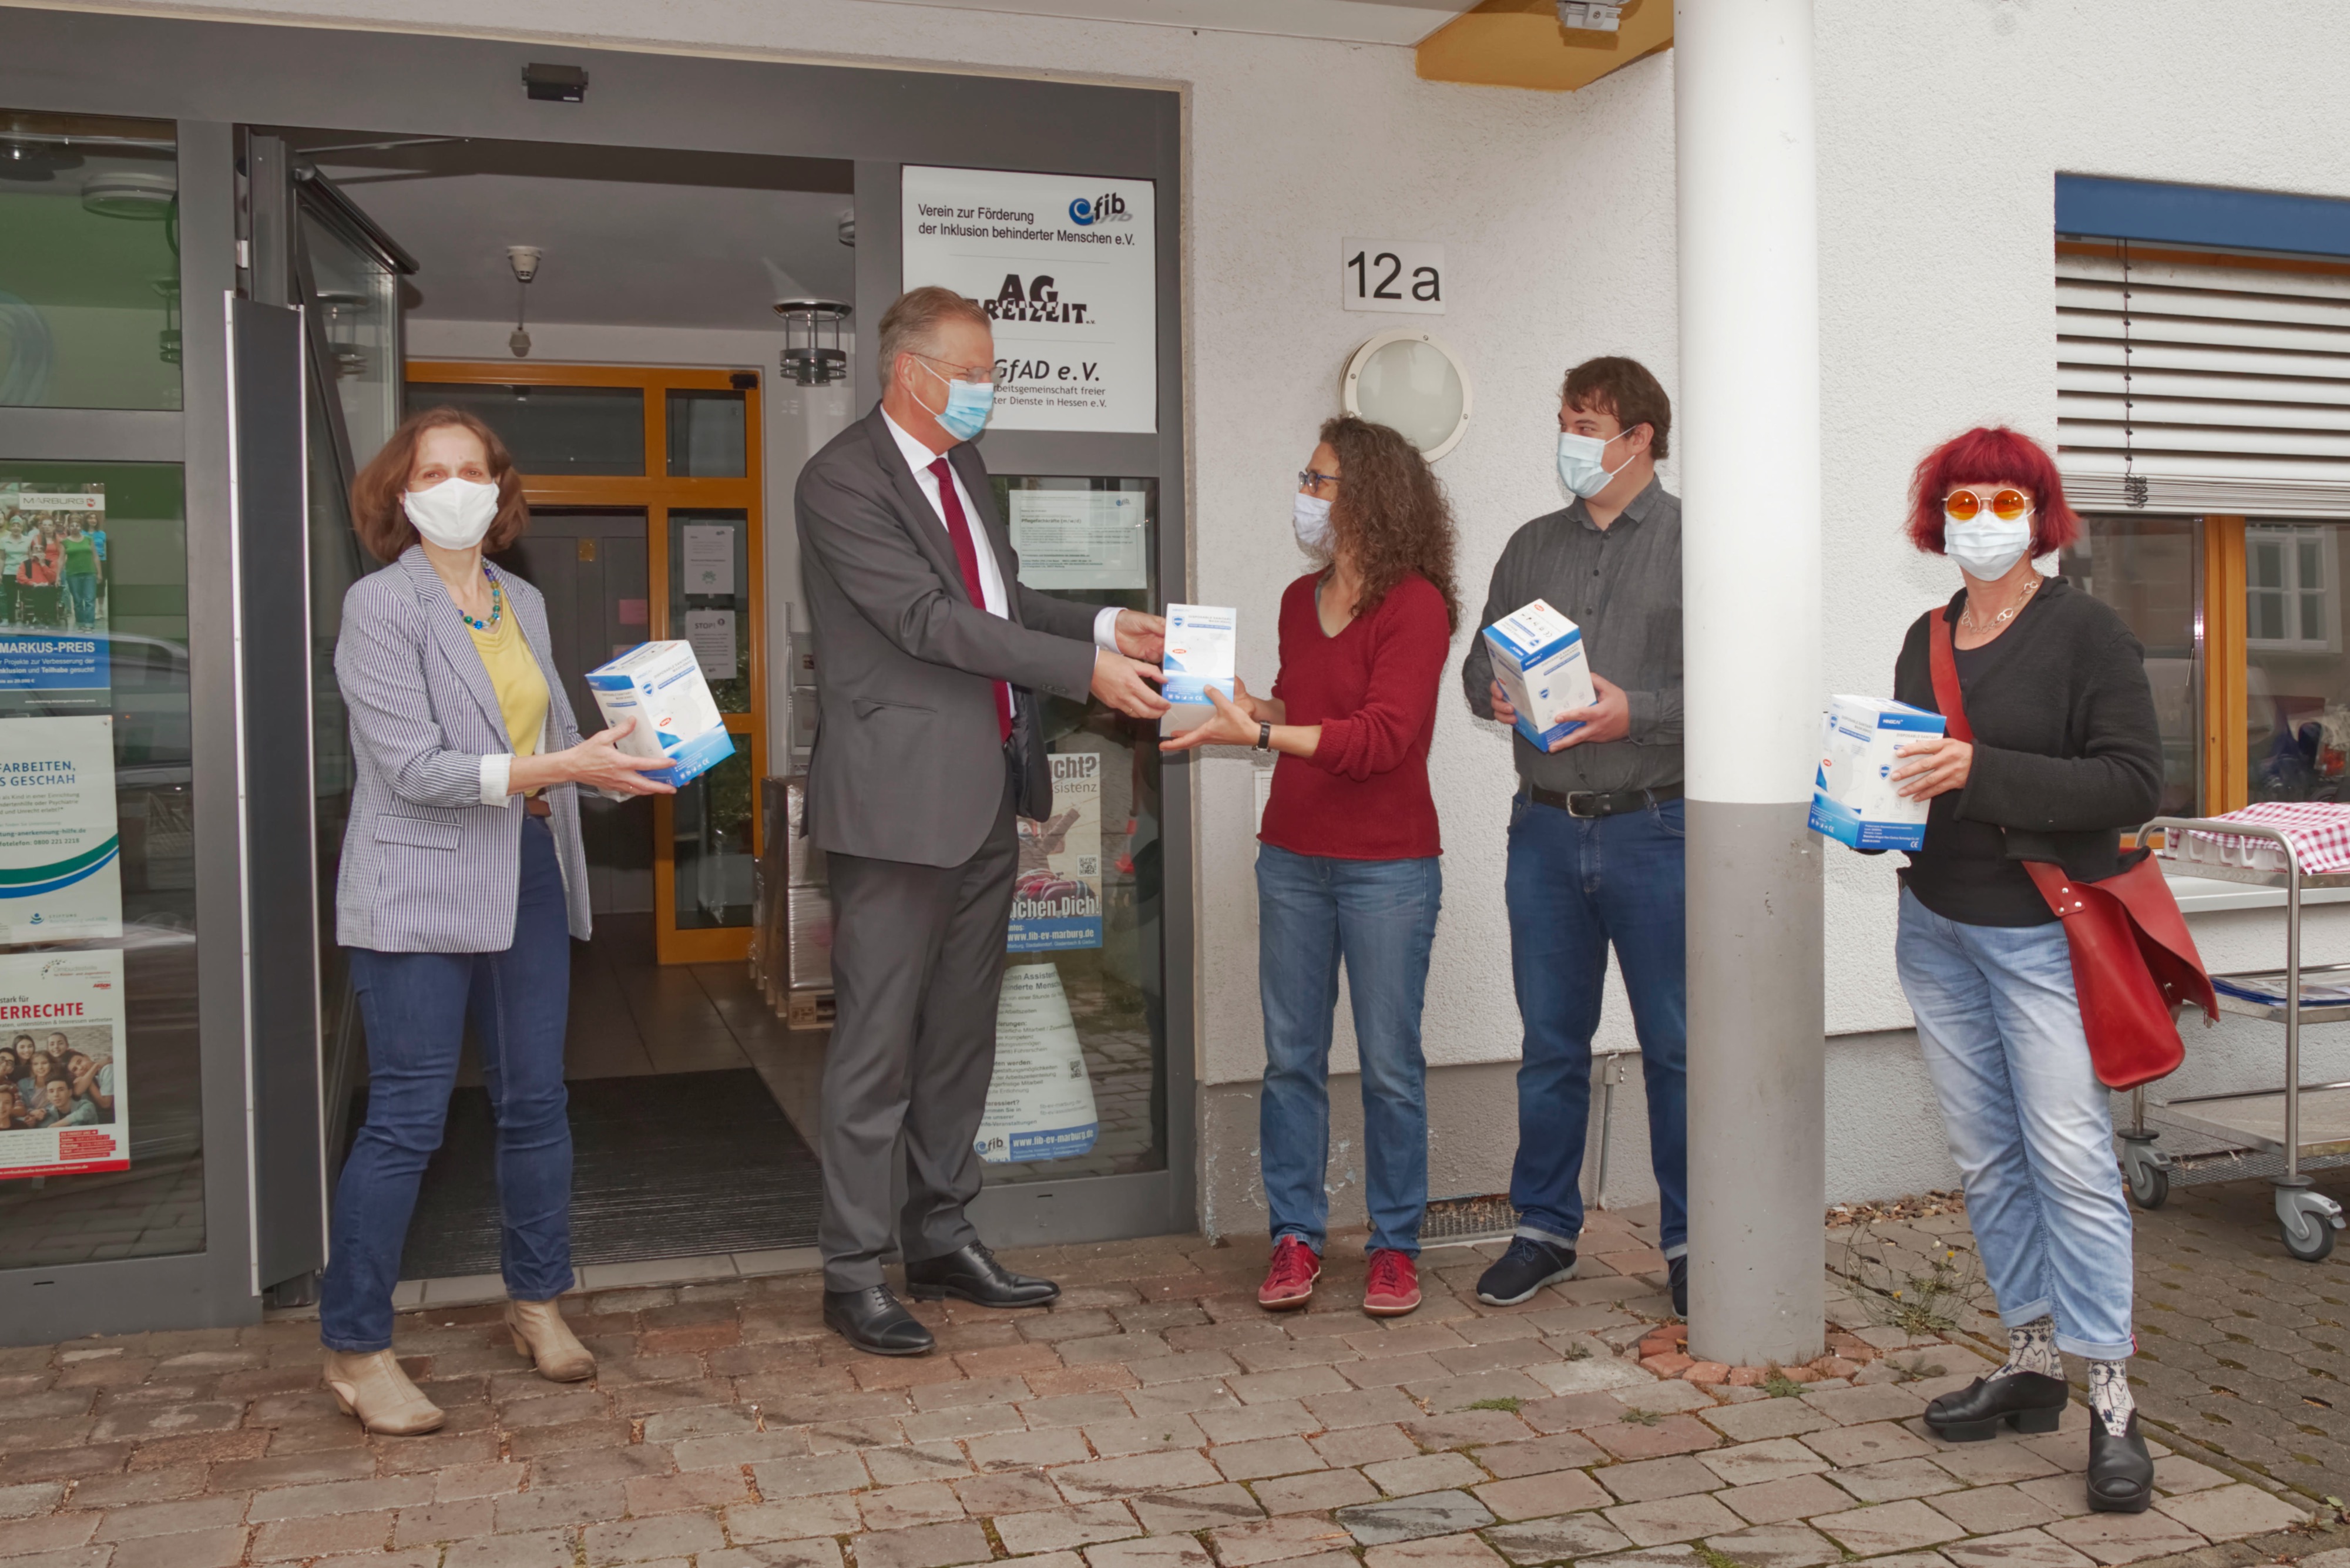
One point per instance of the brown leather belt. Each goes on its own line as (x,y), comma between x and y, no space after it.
(537,806)
(1592,803)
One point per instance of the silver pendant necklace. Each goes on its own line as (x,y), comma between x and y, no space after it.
(1968,619)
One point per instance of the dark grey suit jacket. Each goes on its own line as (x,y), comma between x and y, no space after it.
(909,760)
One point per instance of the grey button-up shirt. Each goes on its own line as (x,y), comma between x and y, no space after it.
(1622,585)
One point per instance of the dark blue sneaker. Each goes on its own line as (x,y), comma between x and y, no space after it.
(1525,1268)
(1677,1274)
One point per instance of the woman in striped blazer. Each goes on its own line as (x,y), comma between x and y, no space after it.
(463,884)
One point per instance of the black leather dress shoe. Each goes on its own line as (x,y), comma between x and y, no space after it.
(2121,1472)
(2025,1400)
(876,1323)
(971,1273)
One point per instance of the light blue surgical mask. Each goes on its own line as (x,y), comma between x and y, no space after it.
(1581,459)
(1310,515)
(968,405)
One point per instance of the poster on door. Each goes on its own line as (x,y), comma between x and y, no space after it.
(1056,894)
(65,1092)
(1066,267)
(53,598)
(60,854)
(1084,539)
(1040,1104)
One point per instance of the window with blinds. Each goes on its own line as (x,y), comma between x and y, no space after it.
(2185,388)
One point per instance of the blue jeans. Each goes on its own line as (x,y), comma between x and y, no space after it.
(2029,1124)
(1575,885)
(1380,915)
(83,587)
(415,1006)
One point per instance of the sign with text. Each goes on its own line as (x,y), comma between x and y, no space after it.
(1056,894)
(64,1106)
(1066,267)
(1406,276)
(60,856)
(1080,539)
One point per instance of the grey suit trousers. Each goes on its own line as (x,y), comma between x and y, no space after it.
(917,969)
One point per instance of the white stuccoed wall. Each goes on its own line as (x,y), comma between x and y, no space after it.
(1940,126)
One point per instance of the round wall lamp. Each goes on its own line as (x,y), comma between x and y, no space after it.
(1414,384)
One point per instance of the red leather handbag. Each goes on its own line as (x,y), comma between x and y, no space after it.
(2133,960)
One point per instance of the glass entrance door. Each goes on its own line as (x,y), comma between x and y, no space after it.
(677,453)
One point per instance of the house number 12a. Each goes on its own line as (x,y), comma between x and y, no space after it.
(1392,275)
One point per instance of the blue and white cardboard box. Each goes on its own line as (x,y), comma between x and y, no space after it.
(660,685)
(1855,800)
(1201,643)
(1539,659)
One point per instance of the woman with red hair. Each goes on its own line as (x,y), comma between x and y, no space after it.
(2064,756)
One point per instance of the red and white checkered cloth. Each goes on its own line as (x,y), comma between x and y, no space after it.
(2318,831)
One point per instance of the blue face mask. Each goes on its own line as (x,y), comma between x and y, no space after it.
(968,405)
(1582,460)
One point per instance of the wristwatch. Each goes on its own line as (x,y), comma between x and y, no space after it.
(1264,736)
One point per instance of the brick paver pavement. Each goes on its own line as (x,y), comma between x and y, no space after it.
(2243,1351)
(1154,1419)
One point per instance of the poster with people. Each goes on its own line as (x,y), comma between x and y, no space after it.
(52,598)
(61,854)
(65,1097)
(1040,1103)
(1056,894)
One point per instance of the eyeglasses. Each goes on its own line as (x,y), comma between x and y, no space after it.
(1309,480)
(980,375)
(1965,505)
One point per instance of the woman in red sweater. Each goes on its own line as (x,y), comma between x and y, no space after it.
(1348,867)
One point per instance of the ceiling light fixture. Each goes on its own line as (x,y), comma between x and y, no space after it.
(523,259)
(807,359)
(130,194)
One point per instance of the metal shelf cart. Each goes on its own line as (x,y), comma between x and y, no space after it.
(2282,1133)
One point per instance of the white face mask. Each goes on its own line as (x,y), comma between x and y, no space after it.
(1580,457)
(454,513)
(1310,515)
(1985,547)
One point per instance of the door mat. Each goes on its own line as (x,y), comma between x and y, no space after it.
(664,1167)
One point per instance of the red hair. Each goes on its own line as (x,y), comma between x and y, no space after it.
(1991,455)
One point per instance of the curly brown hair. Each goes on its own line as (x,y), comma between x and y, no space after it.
(1390,512)
(376,515)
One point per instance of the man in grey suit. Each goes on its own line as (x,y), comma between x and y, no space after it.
(929,653)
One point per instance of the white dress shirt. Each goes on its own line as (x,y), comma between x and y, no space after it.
(991,579)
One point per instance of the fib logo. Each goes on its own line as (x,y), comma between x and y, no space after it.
(1108,208)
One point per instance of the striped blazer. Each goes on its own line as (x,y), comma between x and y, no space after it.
(427,868)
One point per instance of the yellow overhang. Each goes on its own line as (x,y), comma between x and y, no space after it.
(1519,44)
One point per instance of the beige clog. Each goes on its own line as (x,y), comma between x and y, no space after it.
(540,1332)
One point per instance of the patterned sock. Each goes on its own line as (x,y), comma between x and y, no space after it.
(2109,1395)
(2032,1348)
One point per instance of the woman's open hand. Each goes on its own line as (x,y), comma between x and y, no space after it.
(597,762)
(1928,768)
(1234,723)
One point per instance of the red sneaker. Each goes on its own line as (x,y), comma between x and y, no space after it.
(1393,1287)
(1289,1278)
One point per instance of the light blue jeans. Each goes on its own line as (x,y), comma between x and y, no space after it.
(1380,915)
(2029,1124)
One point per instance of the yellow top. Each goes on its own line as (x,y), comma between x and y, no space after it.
(514,675)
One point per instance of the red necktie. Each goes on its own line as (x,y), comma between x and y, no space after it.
(967,557)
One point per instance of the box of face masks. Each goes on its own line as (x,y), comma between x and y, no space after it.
(1201,640)
(1538,657)
(660,685)
(1855,800)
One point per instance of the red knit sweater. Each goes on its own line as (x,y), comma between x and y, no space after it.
(1363,796)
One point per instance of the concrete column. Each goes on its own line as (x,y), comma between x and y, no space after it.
(1749,439)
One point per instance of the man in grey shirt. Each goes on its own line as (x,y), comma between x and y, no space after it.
(1595,832)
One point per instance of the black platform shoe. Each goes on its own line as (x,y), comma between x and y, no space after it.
(2028,1401)
(2121,1472)
(971,1273)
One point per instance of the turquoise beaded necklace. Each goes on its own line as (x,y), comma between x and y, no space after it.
(497,604)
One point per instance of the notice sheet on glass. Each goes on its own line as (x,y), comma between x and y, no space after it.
(711,634)
(1040,1104)
(65,1092)
(60,856)
(709,558)
(53,598)
(1080,539)
(1056,895)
